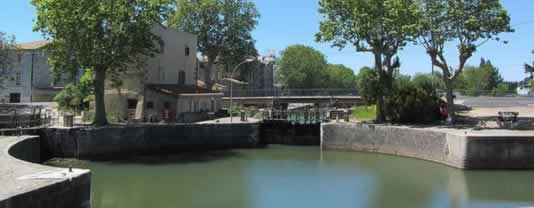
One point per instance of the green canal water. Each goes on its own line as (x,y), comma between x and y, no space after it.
(284,176)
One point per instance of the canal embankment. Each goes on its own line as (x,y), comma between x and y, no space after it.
(27,184)
(125,140)
(460,148)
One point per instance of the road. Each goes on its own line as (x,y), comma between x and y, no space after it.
(495,102)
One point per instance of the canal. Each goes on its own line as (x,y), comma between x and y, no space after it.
(288,176)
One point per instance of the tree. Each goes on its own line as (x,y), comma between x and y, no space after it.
(8,53)
(468,23)
(223,28)
(339,76)
(530,68)
(302,67)
(481,80)
(381,27)
(367,83)
(102,36)
(74,98)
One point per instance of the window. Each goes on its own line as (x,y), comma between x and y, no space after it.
(132,104)
(14,97)
(167,105)
(187,51)
(181,78)
(150,105)
(18,78)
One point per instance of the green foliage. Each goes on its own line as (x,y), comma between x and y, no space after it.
(531,86)
(364,113)
(529,68)
(339,76)
(413,101)
(482,80)
(467,23)
(302,67)
(368,84)
(8,56)
(104,36)
(223,28)
(75,97)
(367,25)
(381,27)
(502,89)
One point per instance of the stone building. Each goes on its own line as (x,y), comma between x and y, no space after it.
(31,79)
(166,88)
(257,77)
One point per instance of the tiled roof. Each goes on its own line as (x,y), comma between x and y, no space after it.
(33,45)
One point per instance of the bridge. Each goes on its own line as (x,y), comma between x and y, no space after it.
(321,97)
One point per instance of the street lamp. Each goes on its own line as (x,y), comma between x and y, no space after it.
(232,80)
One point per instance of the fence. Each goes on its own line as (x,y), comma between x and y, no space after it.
(306,117)
(23,116)
(276,92)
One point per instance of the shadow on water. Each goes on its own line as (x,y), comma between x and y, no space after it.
(177,158)
(159,159)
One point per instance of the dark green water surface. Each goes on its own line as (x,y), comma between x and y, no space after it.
(293,177)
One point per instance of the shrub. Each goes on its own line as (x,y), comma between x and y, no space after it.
(412,103)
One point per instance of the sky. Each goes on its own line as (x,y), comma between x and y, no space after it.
(288,22)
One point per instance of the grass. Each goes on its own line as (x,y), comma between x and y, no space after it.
(364,112)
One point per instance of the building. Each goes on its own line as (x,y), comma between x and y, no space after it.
(257,77)
(31,79)
(166,87)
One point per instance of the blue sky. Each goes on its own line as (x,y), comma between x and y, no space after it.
(287,22)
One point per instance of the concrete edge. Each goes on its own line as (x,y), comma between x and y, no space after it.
(461,150)
(27,184)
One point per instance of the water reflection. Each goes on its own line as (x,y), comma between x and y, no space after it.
(282,176)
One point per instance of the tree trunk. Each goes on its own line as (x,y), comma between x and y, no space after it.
(207,72)
(451,115)
(380,117)
(100,107)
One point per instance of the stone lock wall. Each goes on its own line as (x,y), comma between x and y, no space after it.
(119,141)
(453,148)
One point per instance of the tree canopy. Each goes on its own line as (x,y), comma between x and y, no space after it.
(339,76)
(467,23)
(8,53)
(302,67)
(223,28)
(381,27)
(102,36)
(529,68)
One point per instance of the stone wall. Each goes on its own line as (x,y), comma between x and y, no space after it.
(450,147)
(282,132)
(148,139)
(31,185)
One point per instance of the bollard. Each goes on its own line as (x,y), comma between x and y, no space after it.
(243,116)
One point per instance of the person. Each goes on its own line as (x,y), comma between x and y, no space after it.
(443,110)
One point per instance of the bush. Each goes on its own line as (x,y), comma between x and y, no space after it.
(411,102)
(74,98)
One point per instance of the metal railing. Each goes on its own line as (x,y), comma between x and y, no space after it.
(275,92)
(23,116)
(305,117)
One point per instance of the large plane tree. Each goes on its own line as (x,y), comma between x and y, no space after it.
(380,27)
(468,24)
(102,36)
